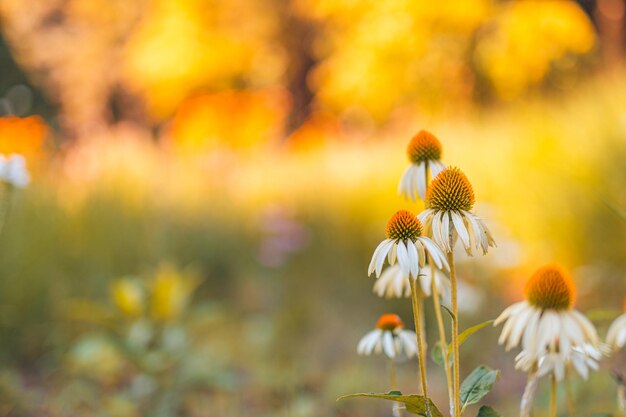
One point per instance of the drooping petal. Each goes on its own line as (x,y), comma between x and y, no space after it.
(462,231)
(413,258)
(388,344)
(403,258)
(378,249)
(421,180)
(382,255)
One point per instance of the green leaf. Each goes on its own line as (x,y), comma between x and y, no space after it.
(467,333)
(414,403)
(486,411)
(452,316)
(477,385)
(436,354)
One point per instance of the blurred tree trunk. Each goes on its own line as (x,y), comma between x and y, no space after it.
(298,35)
(71,50)
(609,16)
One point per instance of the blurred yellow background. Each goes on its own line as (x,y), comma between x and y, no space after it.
(211,177)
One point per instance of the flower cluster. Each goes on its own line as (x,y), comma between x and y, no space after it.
(416,260)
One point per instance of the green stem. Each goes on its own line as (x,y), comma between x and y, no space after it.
(420,342)
(442,333)
(571,406)
(455,337)
(553,400)
(396,409)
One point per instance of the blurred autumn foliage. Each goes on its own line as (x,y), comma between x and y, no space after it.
(209,178)
(102,62)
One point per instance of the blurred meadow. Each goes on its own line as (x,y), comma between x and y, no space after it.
(209,179)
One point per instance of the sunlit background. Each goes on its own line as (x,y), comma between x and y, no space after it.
(210,178)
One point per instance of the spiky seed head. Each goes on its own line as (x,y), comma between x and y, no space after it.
(450,190)
(424,147)
(403,225)
(389,322)
(550,287)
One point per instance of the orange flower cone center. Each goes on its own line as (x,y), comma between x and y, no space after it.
(551,287)
(389,322)
(450,190)
(403,225)
(424,147)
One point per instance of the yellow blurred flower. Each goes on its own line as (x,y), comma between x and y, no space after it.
(527,39)
(379,55)
(236,119)
(184,45)
(171,290)
(128,297)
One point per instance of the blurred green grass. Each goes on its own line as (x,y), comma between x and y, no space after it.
(543,171)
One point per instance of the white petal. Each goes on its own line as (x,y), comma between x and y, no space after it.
(421,180)
(616,335)
(372,265)
(510,310)
(419,246)
(413,258)
(367,342)
(382,255)
(403,188)
(409,342)
(388,344)
(403,258)
(436,167)
(445,231)
(588,328)
(461,230)
(435,253)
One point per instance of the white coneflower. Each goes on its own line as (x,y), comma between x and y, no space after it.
(546,322)
(449,199)
(581,358)
(389,338)
(406,245)
(13,170)
(424,153)
(616,337)
(394,284)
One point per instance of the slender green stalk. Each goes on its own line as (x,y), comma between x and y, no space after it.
(553,400)
(442,333)
(420,342)
(455,337)
(392,375)
(420,305)
(396,409)
(571,406)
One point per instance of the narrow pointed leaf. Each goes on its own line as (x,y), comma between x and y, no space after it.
(477,385)
(467,333)
(486,411)
(415,404)
(452,316)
